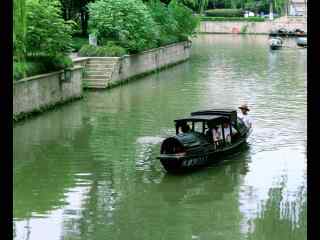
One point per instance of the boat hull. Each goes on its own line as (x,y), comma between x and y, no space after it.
(302,41)
(275,47)
(175,164)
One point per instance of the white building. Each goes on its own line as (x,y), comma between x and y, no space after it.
(297,8)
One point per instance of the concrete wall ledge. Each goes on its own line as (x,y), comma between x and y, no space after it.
(238,27)
(42,92)
(41,76)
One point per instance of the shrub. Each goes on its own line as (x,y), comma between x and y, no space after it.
(78,42)
(40,65)
(109,50)
(19,70)
(47,32)
(166,22)
(229,19)
(59,62)
(224,13)
(88,51)
(125,21)
(187,23)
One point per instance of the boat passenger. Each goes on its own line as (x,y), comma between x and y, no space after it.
(227,134)
(216,135)
(244,115)
(185,128)
(208,134)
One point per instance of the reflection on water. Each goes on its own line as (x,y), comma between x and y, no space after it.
(89,170)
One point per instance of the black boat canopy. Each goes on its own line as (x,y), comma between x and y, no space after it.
(229,113)
(213,119)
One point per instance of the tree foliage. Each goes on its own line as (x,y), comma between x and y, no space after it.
(127,22)
(47,32)
(165,21)
(19,28)
(175,21)
(197,5)
(136,26)
(187,23)
(77,11)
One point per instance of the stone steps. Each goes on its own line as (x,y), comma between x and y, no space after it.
(99,66)
(102,61)
(99,71)
(104,72)
(96,86)
(95,83)
(103,77)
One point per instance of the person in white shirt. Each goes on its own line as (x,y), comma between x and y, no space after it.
(244,115)
(216,134)
(227,133)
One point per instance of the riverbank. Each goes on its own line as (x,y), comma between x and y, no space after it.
(242,27)
(40,93)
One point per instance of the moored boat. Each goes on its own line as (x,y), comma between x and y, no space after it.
(275,43)
(300,33)
(197,147)
(302,41)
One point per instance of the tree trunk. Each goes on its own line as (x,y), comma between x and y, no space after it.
(84,22)
(271,10)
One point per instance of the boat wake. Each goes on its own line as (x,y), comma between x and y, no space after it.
(150,140)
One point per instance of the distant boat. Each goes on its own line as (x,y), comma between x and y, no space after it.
(196,148)
(282,32)
(302,41)
(299,33)
(275,43)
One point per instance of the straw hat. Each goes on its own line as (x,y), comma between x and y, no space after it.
(244,107)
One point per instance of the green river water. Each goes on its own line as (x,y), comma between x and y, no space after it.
(88,170)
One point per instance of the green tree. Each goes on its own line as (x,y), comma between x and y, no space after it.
(76,10)
(47,32)
(165,21)
(128,22)
(19,28)
(196,5)
(187,23)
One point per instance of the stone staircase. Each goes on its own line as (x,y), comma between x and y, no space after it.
(98,71)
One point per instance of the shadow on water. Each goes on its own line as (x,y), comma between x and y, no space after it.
(206,183)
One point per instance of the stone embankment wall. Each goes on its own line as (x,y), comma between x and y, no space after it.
(104,72)
(40,92)
(289,23)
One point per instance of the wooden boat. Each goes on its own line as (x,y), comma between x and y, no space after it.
(275,43)
(281,32)
(299,33)
(302,41)
(197,148)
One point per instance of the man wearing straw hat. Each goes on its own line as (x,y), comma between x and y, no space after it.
(244,115)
